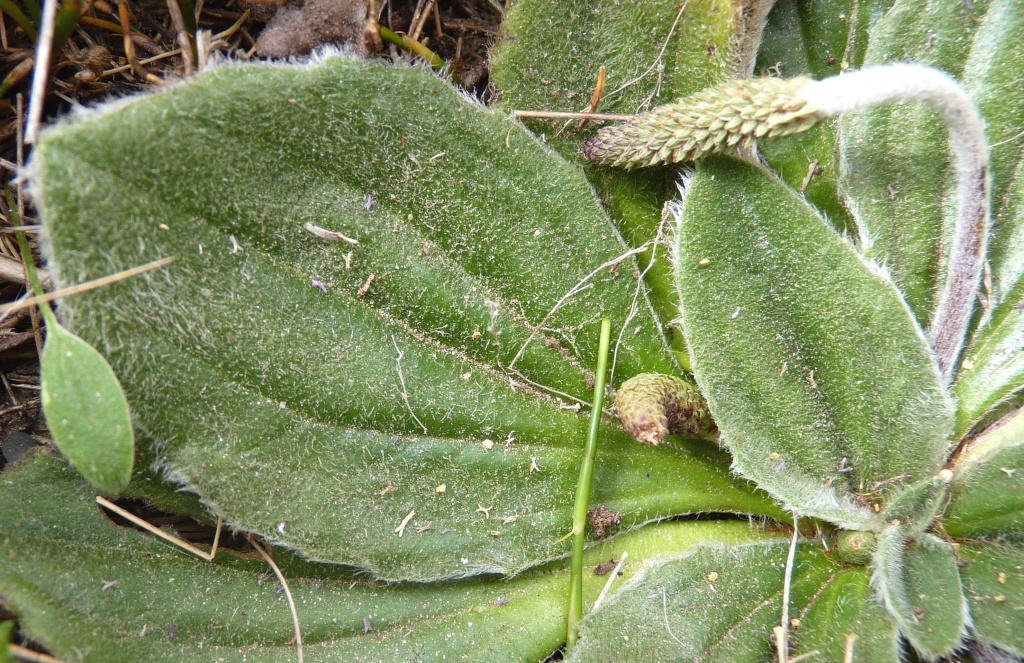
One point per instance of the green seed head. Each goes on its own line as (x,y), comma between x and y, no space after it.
(652,406)
(731,115)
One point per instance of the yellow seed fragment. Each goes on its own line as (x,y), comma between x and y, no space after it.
(440,489)
(713,576)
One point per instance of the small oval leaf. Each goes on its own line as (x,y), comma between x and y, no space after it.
(920,584)
(86,410)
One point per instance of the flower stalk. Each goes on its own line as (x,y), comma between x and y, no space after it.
(737,113)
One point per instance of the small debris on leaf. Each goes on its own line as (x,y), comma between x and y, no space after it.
(330,235)
(601,518)
(365,288)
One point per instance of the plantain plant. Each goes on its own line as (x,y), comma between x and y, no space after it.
(374,347)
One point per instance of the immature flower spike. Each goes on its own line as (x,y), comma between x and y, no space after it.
(733,114)
(652,406)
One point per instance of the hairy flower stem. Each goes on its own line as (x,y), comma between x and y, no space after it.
(737,113)
(907,82)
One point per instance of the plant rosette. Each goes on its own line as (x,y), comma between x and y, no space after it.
(374,346)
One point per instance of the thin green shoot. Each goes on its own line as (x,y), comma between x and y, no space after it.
(14,11)
(407,43)
(30,266)
(188,13)
(579,516)
(67,19)
(32,7)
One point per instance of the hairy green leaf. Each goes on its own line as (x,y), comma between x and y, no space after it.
(714,603)
(917,506)
(654,52)
(86,410)
(319,392)
(920,584)
(994,582)
(988,491)
(993,369)
(82,586)
(899,209)
(845,609)
(819,379)
(994,77)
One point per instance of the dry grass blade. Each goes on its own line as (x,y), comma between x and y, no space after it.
(567,115)
(287,593)
(13,271)
(129,46)
(595,99)
(611,580)
(31,656)
(782,632)
(220,37)
(85,287)
(185,545)
(181,33)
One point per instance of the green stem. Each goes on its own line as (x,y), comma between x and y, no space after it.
(30,265)
(12,10)
(579,515)
(67,18)
(407,43)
